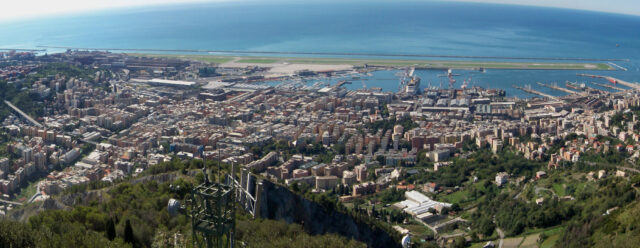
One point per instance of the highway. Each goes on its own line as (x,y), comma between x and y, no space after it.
(33,121)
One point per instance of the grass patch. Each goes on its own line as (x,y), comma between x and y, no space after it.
(559,189)
(530,241)
(548,231)
(550,241)
(201,58)
(455,197)
(218,60)
(28,191)
(258,60)
(512,242)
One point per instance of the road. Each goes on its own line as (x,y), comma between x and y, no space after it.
(501,234)
(435,231)
(538,189)
(618,167)
(38,193)
(10,202)
(26,116)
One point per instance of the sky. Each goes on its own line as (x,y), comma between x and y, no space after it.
(629,7)
(20,9)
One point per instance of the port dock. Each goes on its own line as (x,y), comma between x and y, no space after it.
(613,80)
(609,86)
(555,87)
(617,66)
(528,89)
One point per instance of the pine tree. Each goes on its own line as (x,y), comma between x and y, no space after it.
(111,229)
(128,233)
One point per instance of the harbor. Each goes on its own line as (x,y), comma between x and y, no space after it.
(528,89)
(608,86)
(556,87)
(612,80)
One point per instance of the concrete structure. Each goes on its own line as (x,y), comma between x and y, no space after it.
(327,182)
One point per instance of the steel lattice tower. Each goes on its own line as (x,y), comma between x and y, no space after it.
(213,215)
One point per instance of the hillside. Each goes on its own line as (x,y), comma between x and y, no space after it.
(133,213)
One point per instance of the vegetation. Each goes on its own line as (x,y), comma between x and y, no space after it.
(135,215)
(322,154)
(388,124)
(482,164)
(594,227)
(17,93)
(12,93)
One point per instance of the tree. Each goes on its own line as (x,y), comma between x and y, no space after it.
(459,242)
(128,233)
(111,229)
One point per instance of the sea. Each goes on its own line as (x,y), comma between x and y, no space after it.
(369,27)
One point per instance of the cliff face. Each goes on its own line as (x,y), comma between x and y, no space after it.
(279,203)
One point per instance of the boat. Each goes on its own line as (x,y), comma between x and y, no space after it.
(575,86)
(412,87)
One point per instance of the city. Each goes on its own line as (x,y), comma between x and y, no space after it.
(423,163)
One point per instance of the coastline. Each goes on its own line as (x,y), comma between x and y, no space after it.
(236,60)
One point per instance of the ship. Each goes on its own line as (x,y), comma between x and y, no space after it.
(575,86)
(412,87)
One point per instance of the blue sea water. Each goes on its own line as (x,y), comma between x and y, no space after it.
(392,27)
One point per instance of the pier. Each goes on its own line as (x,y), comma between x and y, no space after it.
(609,86)
(555,87)
(613,80)
(617,66)
(535,92)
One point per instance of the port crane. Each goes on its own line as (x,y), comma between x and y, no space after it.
(403,81)
(406,77)
(465,83)
(452,81)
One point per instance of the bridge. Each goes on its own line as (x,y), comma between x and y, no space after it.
(24,115)
(10,202)
(4,206)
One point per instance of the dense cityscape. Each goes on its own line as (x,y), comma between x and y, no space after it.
(440,165)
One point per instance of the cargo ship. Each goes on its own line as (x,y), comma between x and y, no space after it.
(410,83)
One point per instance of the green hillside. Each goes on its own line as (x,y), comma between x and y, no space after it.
(135,215)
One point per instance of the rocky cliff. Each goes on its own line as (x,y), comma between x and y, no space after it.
(280,203)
